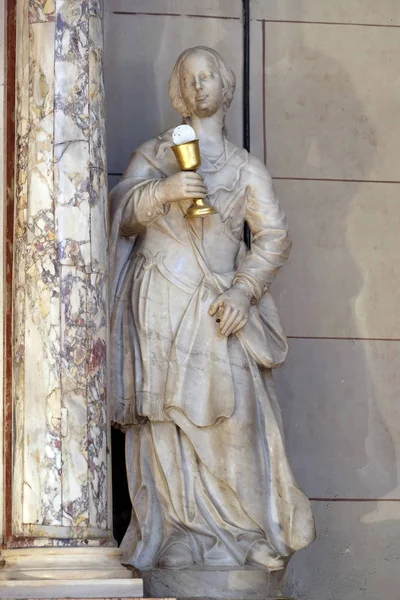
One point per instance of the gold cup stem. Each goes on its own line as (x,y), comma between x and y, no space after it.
(189,159)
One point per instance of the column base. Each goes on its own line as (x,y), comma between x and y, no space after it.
(230,584)
(66,573)
(67,588)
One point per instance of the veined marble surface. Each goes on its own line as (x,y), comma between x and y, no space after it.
(60,488)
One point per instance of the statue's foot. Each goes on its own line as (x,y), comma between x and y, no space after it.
(262,555)
(176,556)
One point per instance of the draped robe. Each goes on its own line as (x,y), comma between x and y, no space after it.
(208,473)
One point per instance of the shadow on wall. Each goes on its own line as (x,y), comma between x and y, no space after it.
(357,432)
(122,506)
(138,68)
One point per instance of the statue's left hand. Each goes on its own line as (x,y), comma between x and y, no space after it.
(233,306)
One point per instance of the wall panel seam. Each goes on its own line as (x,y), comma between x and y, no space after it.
(284,21)
(145,14)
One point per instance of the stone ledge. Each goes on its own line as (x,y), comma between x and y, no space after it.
(243,583)
(235,598)
(62,564)
(72,588)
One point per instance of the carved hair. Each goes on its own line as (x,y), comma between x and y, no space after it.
(227,76)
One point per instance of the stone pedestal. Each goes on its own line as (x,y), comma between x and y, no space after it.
(55,564)
(238,584)
(58,529)
(62,572)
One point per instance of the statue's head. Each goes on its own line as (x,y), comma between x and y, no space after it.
(201,83)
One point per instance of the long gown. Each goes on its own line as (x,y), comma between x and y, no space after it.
(208,474)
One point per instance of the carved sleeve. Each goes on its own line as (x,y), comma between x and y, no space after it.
(270,244)
(144,206)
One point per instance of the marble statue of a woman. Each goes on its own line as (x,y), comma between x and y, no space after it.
(195,334)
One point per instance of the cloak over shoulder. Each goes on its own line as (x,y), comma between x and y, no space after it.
(262,337)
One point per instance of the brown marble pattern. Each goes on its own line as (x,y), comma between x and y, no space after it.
(61,470)
(74,373)
(98,161)
(21,200)
(72,176)
(96,8)
(42,288)
(97,293)
(96,393)
(41,11)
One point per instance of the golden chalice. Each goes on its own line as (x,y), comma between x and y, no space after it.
(188,156)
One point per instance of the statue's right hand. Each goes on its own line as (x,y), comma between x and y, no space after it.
(181,186)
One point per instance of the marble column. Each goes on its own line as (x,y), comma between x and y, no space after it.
(61,488)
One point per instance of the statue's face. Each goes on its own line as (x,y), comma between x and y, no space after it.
(201,85)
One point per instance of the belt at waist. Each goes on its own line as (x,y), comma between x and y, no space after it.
(184,280)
